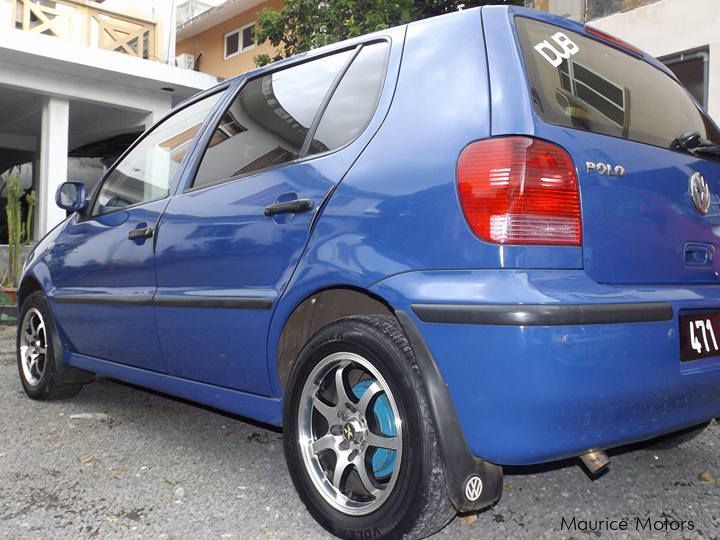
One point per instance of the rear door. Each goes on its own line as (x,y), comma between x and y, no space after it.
(619,117)
(228,243)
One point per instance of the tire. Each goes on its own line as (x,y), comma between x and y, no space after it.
(402,492)
(38,349)
(673,440)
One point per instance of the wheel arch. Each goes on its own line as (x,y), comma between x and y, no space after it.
(324,306)
(316,311)
(38,279)
(28,285)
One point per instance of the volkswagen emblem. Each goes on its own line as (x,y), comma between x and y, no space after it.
(473,488)
(700,193)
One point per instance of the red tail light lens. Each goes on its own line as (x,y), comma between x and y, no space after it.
(517,190)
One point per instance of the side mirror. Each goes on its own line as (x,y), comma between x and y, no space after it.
(71,197)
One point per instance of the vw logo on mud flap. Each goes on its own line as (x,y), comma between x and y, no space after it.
(473,488)
(700,193)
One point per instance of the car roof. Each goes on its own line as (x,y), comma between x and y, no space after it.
(511,11)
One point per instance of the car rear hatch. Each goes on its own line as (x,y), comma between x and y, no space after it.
(650,210)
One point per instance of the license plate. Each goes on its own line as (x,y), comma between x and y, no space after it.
(699,335)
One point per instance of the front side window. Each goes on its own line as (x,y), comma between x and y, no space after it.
(581,83)
(268,121)
(146,173)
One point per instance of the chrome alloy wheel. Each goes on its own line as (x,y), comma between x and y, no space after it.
(350,433)
(33,346)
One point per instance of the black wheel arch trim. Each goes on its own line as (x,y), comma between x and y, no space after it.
(543,314)
(459,464)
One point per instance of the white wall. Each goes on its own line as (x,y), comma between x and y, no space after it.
(673,26)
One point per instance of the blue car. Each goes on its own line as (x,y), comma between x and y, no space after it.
(480,240)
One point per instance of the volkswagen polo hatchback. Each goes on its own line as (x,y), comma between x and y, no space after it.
(479,240)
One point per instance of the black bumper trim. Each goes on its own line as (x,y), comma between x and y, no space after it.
(543,314)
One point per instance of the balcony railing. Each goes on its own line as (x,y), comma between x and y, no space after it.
(87,23)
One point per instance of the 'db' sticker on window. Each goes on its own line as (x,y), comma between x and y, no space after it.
(562,49)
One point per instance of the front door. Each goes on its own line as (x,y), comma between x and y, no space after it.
(103,263)
(229,243)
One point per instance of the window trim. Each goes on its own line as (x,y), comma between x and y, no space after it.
(219,89)
(302,158)
(241,49)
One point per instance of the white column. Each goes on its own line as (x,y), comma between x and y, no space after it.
(7,15)
(164,14)
(53,162)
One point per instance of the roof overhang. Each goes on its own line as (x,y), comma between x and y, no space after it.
(214,16)
(32,57)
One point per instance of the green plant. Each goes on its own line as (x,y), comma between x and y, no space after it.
(302,25)
(31,200)
(13,211)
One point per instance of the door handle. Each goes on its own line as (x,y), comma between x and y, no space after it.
(137,234)
(296,206)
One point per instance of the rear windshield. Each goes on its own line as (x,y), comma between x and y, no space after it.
(580,83)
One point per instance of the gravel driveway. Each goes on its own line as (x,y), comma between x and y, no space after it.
(139,465)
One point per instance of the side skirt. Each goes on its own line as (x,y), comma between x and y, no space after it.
(260,408)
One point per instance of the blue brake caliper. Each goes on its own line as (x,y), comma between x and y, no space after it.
(383,460)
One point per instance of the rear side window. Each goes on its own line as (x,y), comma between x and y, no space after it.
(354,101)
(269,120)
(580,83)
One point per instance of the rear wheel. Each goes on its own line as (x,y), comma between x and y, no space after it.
(359,440)
(37,345)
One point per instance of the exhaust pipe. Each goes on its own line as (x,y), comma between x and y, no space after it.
(595,461)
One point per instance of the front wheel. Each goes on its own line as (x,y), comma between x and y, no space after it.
(359,439)
(37,348)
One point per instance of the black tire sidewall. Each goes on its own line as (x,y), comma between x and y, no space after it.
(399,512)
(37,300)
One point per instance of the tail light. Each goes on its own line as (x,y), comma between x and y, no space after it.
(517,190)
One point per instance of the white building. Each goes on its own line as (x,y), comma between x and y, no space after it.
(79,80)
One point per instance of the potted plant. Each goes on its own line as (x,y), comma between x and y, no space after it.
(16,231)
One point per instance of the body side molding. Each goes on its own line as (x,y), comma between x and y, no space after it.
(220,302)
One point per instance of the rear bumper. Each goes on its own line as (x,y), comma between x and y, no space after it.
(549,364)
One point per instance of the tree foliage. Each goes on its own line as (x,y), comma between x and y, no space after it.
(302,25)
